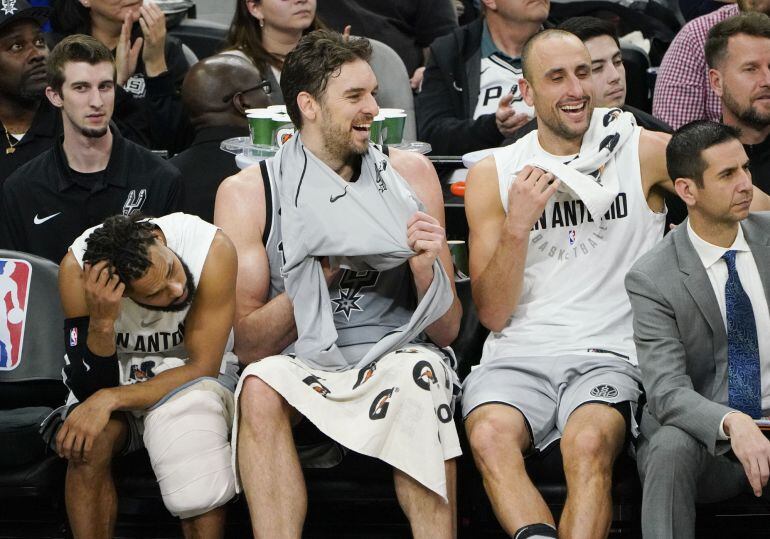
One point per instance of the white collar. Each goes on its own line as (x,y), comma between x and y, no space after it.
(710,253)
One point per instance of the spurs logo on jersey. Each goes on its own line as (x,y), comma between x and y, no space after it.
(134,201)
(499,75)
(349,292)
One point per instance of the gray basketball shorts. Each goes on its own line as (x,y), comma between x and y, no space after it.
(546,390)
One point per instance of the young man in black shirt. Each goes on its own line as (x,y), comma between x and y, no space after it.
(90,173)
(28,123)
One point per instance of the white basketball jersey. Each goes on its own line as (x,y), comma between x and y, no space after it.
(573,299)
(499,76)
(147,341)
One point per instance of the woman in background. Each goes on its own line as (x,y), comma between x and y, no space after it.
(265,31)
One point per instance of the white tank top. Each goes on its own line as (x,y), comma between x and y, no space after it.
(149,342)
(573,299)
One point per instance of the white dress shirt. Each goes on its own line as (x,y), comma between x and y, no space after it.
(716,269)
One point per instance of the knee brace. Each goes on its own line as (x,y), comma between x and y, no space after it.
(187,439)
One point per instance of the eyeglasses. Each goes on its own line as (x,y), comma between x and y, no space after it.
(264,85)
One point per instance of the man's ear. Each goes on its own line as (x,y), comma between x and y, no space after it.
(525,89)
(54,97)
(308,106)
(686,189)
(715,81)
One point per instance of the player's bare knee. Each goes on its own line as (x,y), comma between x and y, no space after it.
(260,404)
(492,437)
(588,445)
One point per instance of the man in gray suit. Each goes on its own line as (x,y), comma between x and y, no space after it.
(702,333)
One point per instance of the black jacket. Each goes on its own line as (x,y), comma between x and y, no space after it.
(45,205)
(45,129)
(450,91)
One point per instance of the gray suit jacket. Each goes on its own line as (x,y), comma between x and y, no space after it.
(680,335)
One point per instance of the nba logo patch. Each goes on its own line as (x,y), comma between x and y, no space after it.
(14,292)
(571,237)
(73,337)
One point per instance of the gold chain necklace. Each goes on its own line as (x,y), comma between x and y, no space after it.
(11,145)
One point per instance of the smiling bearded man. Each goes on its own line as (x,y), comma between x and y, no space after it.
(342,282)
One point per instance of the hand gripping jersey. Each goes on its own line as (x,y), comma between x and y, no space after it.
(366,305)
(573,300)
(149,342)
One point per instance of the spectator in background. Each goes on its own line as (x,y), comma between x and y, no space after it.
(150,65)
(90,174)
(29,122)
(406,26)
(682,90)
(265,31)
(216,93)
(470,98)
(738,55)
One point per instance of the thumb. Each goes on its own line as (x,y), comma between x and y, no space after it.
(506,100)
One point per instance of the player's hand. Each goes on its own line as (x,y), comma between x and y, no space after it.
(153,23)
(103,291)
(507,119)
(751,447)
(527,197)
(346,33)
(127,54)
(75,438)
(329,273)
(426,237)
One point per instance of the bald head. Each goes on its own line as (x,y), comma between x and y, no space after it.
(218,89)
(538,50)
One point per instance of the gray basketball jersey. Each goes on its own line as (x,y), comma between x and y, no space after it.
(366,305)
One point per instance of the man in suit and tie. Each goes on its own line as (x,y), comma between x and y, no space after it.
(702,332)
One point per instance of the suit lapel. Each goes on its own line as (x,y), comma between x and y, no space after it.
(759,243)
(699,286)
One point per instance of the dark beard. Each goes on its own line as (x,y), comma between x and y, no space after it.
(748,116)
(176,307)
(94,133)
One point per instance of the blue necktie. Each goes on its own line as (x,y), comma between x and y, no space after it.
(744,379)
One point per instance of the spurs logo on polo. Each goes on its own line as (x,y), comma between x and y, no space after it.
(9,7)
(134,201)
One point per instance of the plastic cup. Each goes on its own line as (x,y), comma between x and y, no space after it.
(260,127)
(459,251)
(283,129)
(375,131)
(277,109)
(393,127)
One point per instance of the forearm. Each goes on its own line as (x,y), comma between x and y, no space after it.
(144,395)
(444,330)
(267,331)
(497,290)
(101,337)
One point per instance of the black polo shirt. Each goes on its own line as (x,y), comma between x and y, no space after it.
(203,166)
(46,127)
(45,205)
(759,163)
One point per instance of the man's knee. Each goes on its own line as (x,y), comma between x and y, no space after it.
(496,432)
(106,445)
(671,445)
(260,404)
(187,440)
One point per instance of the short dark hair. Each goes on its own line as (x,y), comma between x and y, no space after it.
(75,48)
(751,23)
(684,153)
(526,52)
(124,242)
(586,28)
(318,55)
